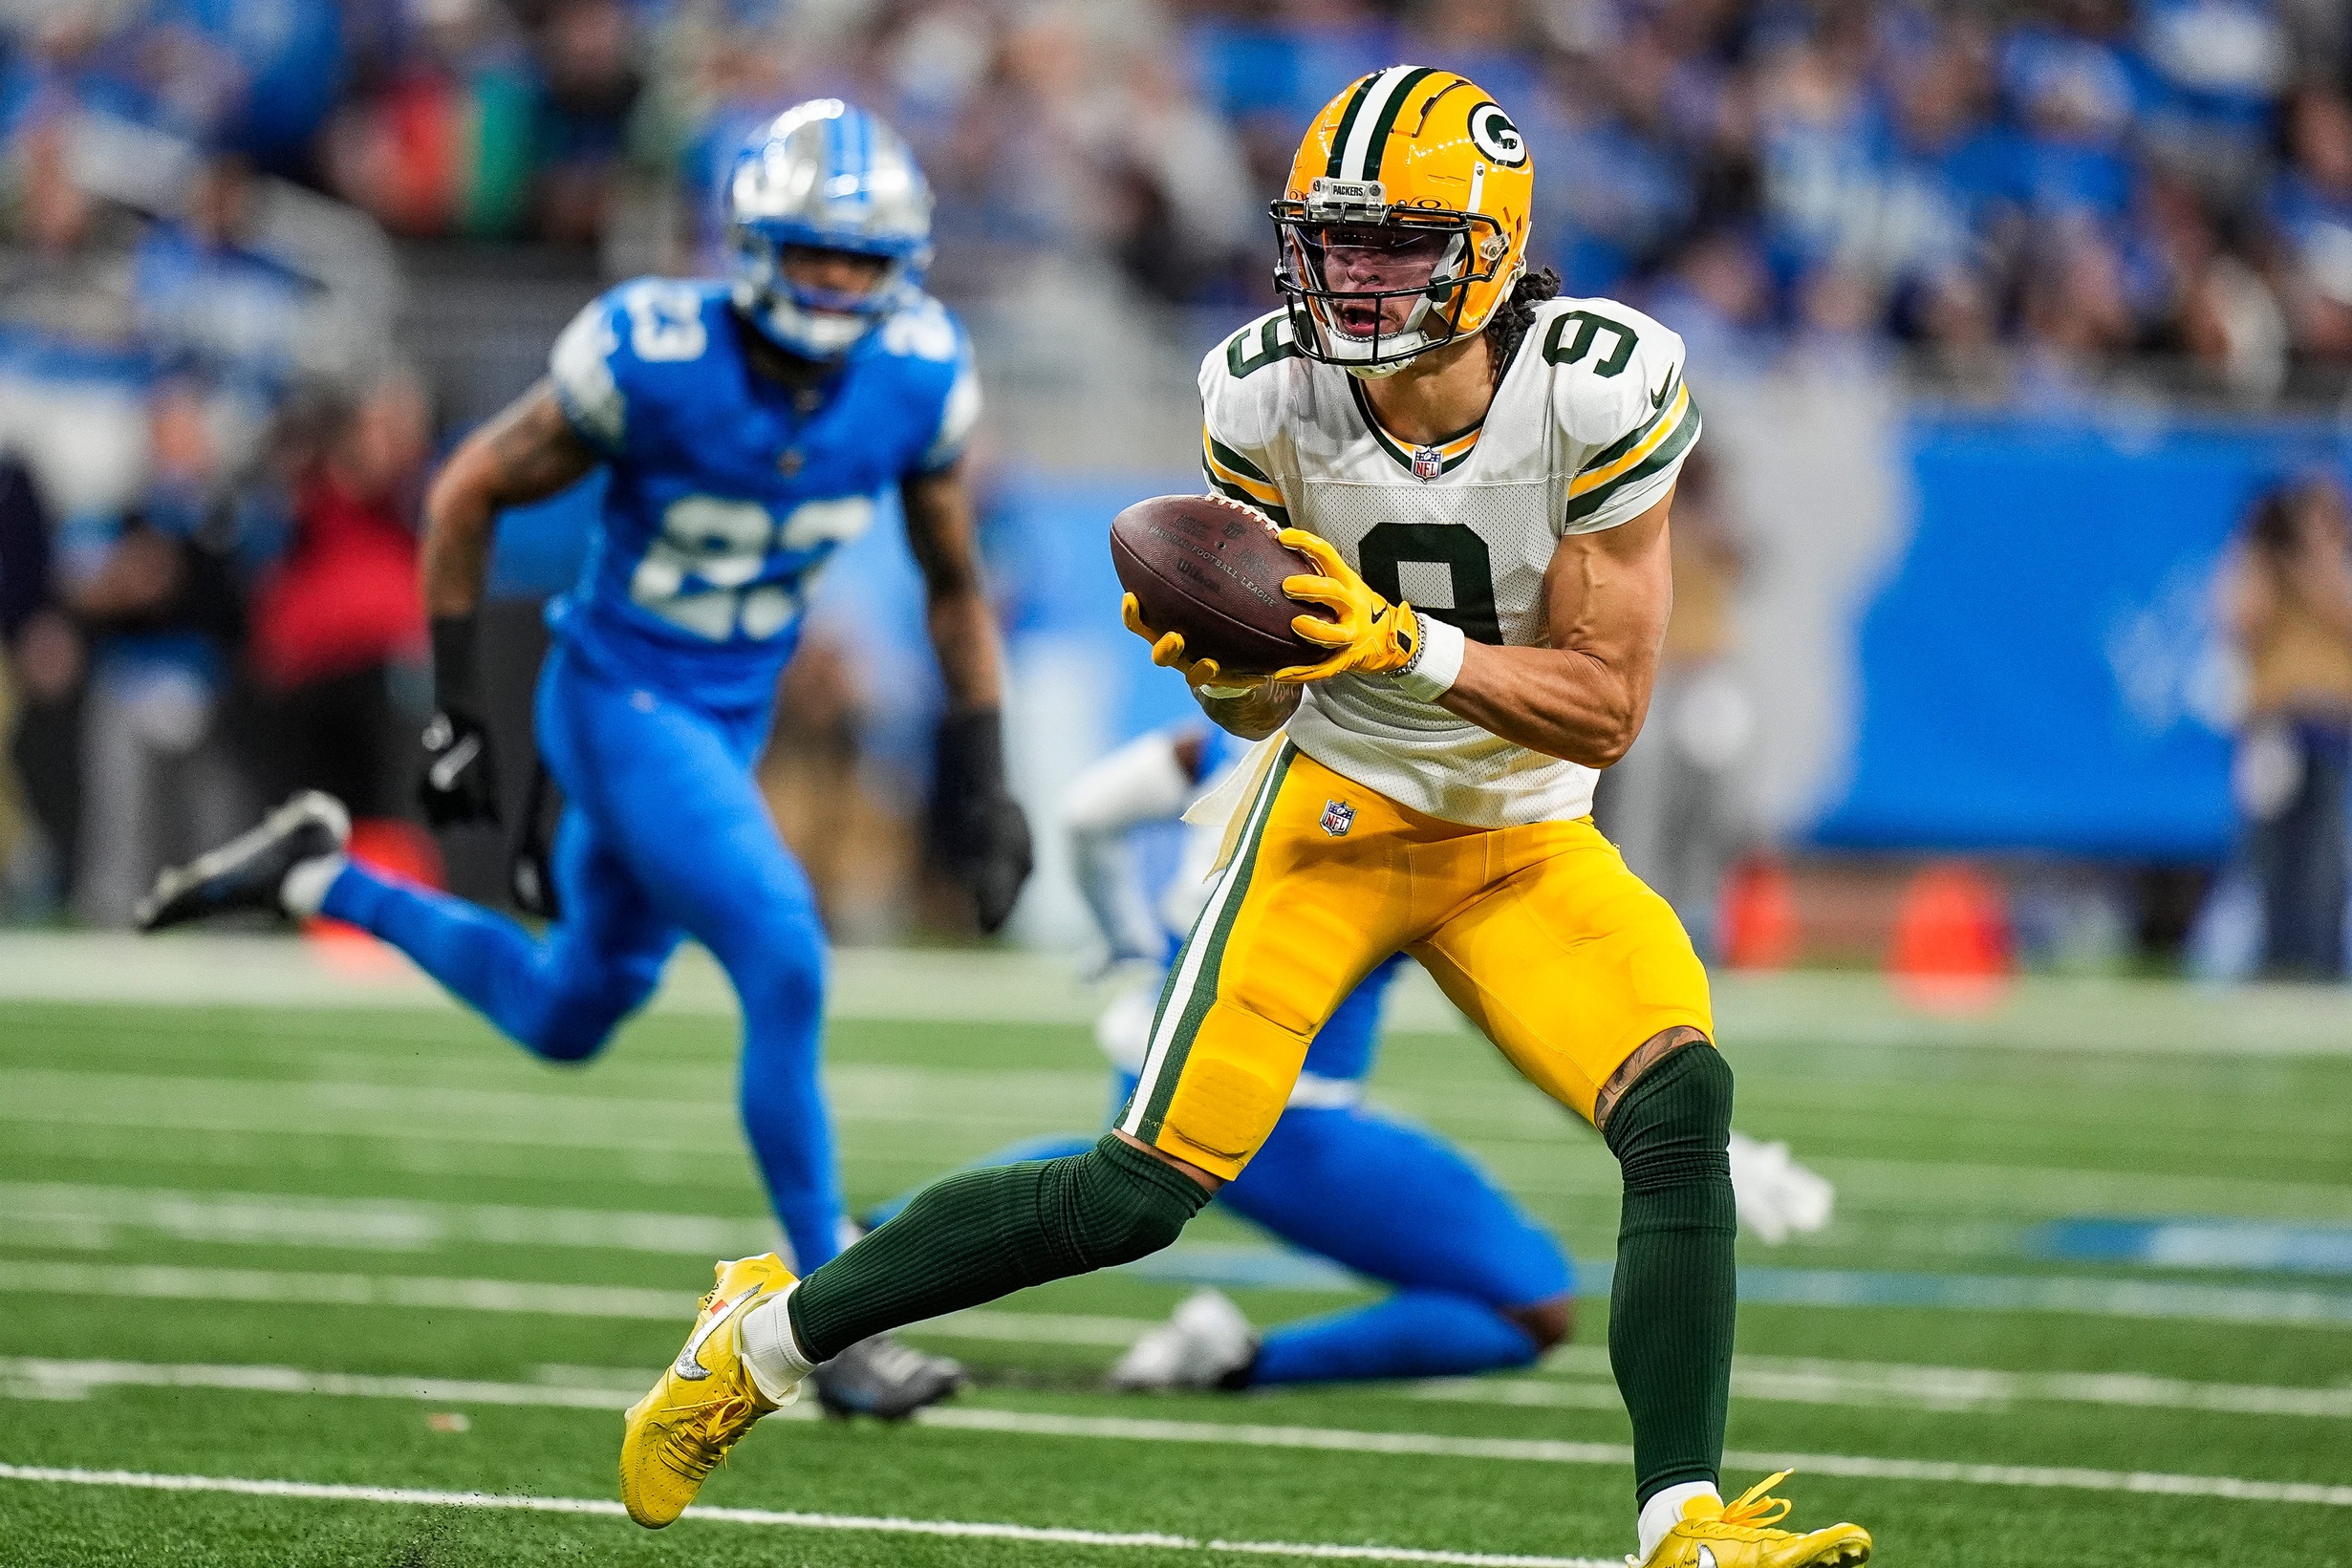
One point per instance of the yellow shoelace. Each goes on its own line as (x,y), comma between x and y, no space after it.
(1750,1515)
(703,1433)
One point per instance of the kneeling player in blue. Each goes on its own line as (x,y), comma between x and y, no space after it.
(748,427)
(1479,1285)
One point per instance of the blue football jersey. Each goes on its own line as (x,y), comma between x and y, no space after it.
(727,495)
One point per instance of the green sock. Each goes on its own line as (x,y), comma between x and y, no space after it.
(979,1235)
(1672,1308)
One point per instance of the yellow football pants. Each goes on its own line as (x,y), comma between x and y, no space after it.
(1540,934)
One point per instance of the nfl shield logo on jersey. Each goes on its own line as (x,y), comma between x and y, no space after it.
(1338,816)
(1426,463)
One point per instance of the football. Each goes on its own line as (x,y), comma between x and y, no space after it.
(1213,569)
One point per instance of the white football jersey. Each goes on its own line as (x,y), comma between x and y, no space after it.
(1588,430)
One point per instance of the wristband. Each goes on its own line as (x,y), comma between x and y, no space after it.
(457,681)
(971,749)
(1436,664)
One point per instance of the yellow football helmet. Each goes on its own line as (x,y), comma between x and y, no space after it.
(1405,220)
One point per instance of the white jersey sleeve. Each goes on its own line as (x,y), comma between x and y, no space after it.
(1622,408)
(1242,445)
(581,367)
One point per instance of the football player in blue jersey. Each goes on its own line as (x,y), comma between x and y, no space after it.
(1479,1285)
(748,427)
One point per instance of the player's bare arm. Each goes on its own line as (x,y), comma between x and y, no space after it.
(989,837)
(526,452)
(1252,712)
(1606,596)
(942,533)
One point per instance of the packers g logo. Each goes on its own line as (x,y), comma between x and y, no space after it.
(1493,134)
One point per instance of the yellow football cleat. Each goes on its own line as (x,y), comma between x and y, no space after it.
(703,1402)
(1738,1535)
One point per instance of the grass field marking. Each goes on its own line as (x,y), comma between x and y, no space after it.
(1798,1010)
(2061,1477)
(575,1118)
(170,1282)
(605,1506)
(914,1099)
(1757,1286)
(55,1379)
(1571,1373)
(90,1215)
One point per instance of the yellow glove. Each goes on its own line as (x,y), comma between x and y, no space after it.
(1368,635)
(1168,651)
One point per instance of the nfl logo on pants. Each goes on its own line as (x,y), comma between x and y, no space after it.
(1338,816)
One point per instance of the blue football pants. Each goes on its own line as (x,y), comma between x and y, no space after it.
(663,834)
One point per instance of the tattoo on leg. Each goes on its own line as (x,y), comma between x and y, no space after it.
(1646,1056)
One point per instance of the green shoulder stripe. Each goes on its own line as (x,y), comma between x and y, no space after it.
(1640,433)
(1234,492)
(1668,450)
(1239,464)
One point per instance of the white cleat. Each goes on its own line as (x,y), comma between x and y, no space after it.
(1205,1344)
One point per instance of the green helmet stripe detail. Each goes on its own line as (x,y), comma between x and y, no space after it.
(1347,123)
(1378,141)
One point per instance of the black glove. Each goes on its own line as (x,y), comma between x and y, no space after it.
(984,837)
(530,868)
(459,784)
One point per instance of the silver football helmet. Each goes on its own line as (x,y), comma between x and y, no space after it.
(827,176)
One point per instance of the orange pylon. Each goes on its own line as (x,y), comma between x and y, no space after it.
(1952,951)
(1758,925)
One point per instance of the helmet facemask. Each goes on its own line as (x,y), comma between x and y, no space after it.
(1369,287)
(816,323)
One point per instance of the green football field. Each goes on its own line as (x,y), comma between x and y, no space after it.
(301,1267)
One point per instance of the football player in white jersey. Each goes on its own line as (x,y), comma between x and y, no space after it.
(1431,428)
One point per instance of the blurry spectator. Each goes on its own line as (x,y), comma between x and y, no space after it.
(40,669)
(2288,595)
(442,145)
(590,83)
(65,271)
(2311,205)
(216,312)
(1673,805)
(2071,90)
(337,617)
(1716,297)
(158,600)
(2216,65)
(1185,220)
(2076,317)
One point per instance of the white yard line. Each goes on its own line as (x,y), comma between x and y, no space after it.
(73,1214)
(168,1283)
(1787,1380)
(45,1379)
(2092,1296)
(605,1506)
(531,1117)
(1810,1381)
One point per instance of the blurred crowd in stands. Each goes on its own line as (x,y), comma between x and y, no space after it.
(214,447)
